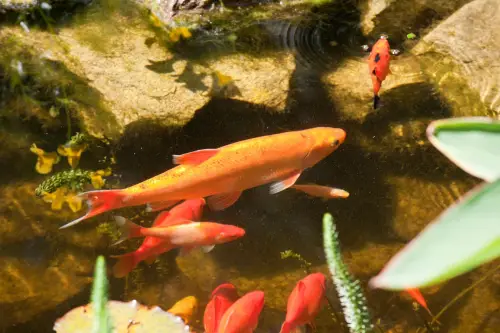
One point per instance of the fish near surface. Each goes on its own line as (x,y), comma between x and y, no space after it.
(186,236)
(151,247)
(221,299)
(378,64)
(243,315)
(304,302)
(225,172)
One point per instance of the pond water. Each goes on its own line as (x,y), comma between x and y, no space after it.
(298,67)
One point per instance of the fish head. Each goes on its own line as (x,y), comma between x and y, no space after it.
(228,233)
(323,141)
(227,290)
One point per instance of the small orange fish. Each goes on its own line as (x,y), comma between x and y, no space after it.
(324,192)
(185,308)
(221,299)
(304,302)
(243,315)
(378,64)
(151,247)
(418,297)
(225,172)
(186,236)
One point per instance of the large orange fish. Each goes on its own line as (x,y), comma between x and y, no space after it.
(151,247)
(304,302)
(221,299)
(378,64)
(243,315)
(186,236)
(225,172)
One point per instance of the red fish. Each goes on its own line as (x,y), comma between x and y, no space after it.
(378,64)
(186,236)
(304,302)
(223,173)
(221,299)
(418,297)
(151,247)
(243,315)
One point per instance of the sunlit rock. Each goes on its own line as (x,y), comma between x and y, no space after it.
(397,18)
(461,55)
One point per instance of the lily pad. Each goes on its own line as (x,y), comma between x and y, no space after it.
(465,236)
(472,143)
(130,317)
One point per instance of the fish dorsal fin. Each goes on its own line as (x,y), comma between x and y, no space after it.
(195,157)
(223,200)
(207,248)
(285,183)
(298,297)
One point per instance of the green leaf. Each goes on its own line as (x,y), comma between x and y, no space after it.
(472,143)
(465,236)
(99,299)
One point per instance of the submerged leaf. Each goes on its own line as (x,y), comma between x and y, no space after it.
(465,236)
(472,143)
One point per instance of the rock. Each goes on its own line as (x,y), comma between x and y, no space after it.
(117,80)
(28,288)
(460,56)
(23,5)
(400,17)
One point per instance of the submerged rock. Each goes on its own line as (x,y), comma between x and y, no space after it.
(400,17)
(461,57)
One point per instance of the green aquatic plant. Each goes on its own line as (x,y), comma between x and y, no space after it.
(290,254)
(99,299)
(467,234)
(75,179)
(77,140)
(351,296)
(411,35)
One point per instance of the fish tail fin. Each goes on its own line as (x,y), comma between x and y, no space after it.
(128,229)
(286,327)
(376,102)
(125,264)
(98,202)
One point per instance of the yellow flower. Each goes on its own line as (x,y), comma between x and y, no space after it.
(73,153)
(45,160)
(96,177)
(222,79)
(57,198)
(176,33)
(74,202)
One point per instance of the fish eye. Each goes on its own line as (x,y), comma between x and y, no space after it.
(335,143)
(384,36)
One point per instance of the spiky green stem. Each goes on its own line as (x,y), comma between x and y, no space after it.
(349,290)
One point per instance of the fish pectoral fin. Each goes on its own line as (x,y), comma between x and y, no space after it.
(195,157)
(159,205)
(222,201)
(285,183)
(207,248)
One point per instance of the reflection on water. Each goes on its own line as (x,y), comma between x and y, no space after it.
(396,180)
